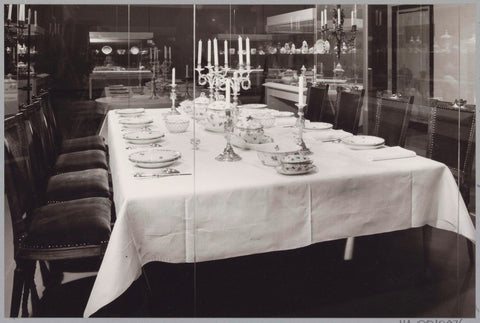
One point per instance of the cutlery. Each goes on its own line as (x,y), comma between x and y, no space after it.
(158,175)
(138,146)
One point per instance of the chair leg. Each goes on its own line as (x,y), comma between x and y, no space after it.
(471,252)
(18,282)
(33,290)
(26,293)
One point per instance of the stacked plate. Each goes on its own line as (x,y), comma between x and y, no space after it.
(154,158)
(136,122)
(143,137)
(363,142)
(253,106)
(130,112)
(317,126)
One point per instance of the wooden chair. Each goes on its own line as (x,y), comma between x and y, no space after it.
(64,162)
(76,229)
(316,102)
(451,140)
(391,119)
(66,145)
(51,185)
(348,111)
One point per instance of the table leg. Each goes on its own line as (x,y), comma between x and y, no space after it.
(90,88)
(348,255)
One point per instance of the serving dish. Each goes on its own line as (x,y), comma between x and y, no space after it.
(271,154)
(154,158)
(176,124)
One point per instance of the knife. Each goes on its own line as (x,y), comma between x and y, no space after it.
(157,175)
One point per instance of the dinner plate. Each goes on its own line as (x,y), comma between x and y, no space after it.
(253,106)
(365,147)
(363,141)
(143,137)
(129,112)
(154,158)
(280,170)
(318,126)
(283,114)
(138,122)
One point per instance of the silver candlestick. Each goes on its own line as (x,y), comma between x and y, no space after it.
(228,153)
(301,125)
(173,97)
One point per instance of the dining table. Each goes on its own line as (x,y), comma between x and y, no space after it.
(231,209)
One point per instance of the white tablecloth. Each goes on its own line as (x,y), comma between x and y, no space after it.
(241,208)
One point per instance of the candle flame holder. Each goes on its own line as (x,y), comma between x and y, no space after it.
(301,124)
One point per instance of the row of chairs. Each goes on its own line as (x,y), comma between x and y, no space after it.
(450,138)
(59,198)
(391,115)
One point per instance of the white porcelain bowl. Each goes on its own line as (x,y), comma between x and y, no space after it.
(272,154)
(176,124)
(266,119)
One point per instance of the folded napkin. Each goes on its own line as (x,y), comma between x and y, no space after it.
(386,153)
(288,121)
(326,135)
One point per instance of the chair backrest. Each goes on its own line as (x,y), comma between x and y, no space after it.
(41,154)
(47,108)
(391,119)
(316,101)
(18,175)
(451,138)
(349,108)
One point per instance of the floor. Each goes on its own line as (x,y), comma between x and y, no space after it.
(387,277)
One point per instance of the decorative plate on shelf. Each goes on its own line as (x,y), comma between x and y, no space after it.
(134,50)
(107,50)
(317,126)
(154,158)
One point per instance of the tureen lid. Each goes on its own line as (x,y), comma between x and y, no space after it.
(202,99)
(217,105)
(249,124)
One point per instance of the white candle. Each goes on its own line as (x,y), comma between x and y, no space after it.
(227,93)
(321,18)
(225,49)
(173,76)
(338,16)
(10,12)
(186,72)
(29,16)
(215,51)
(199,60)
(300,90)
(169,52)
(21,14)
(35,17)
(209,52)
(248,52)
(240,51)
(326,16)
